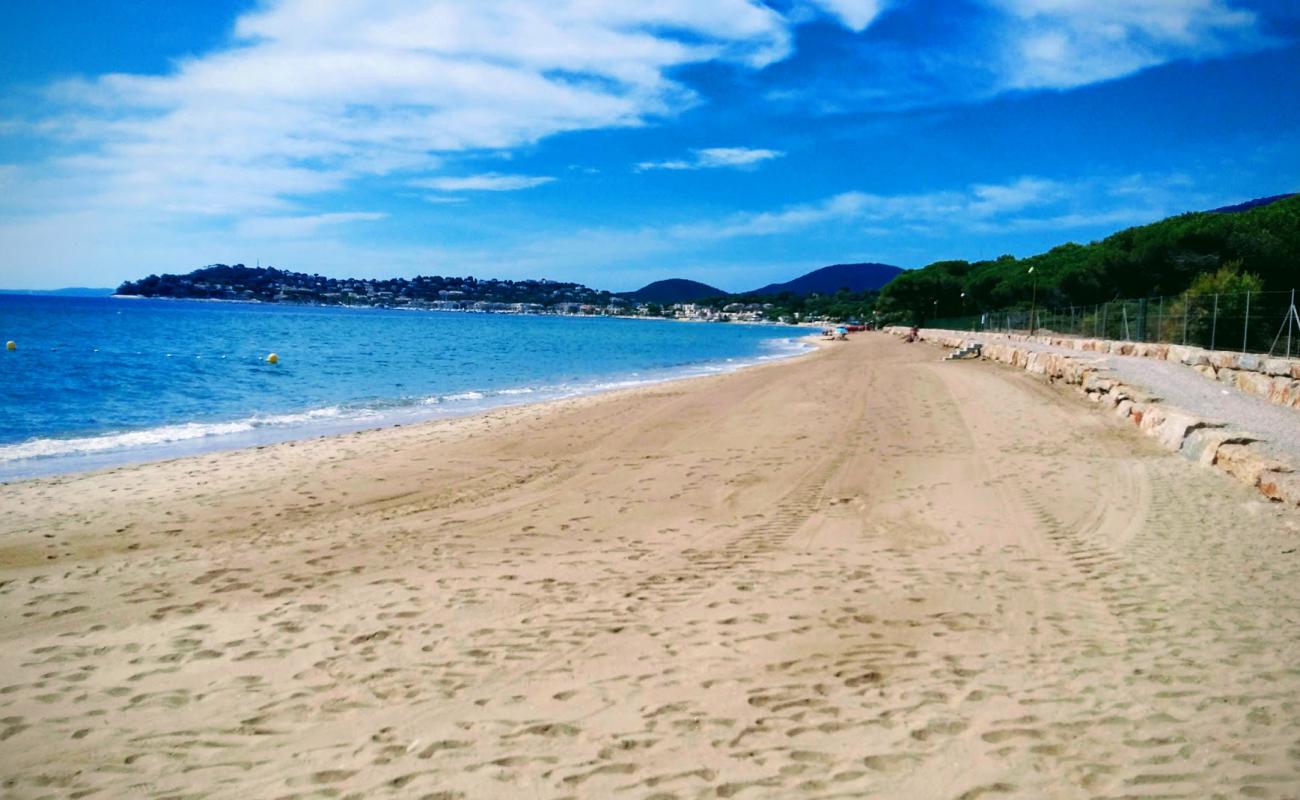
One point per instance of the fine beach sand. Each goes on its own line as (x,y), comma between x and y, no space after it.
(860,573)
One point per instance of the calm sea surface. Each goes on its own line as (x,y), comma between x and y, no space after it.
(100,381)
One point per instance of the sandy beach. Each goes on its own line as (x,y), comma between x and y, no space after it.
(864,572)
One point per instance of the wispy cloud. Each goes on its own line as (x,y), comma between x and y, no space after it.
(987,48)
(714,157)
(487,182)
(855,14)
(1022,204)
(309,96)
(288,227)
(1063,43)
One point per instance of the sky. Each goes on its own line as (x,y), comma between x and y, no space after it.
(735,142)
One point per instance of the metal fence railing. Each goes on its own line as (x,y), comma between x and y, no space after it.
(1254,322)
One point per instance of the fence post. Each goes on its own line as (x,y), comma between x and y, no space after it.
(1105,312)
(1288,325)
(1187,304)
(1214,324)
(1245,328)
(1160,320)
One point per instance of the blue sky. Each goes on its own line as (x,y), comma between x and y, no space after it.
(615,143)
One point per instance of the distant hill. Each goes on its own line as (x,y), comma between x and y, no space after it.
(674,290)
(1249,204)
(828,280)
(71,291)
(271,285)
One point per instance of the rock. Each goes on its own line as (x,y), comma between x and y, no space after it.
(1202,444)
(1280,486)
(1124,408)
(1095,382)
(1206,370)
(1246,463)
(1278,366)
(1150,418)
(1220,359)
(1176,425)
(1283,390)
(1141,397)
(1257,383)
(1249,361)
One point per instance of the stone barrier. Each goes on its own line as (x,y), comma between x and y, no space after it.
(1275,379)
(1205,441)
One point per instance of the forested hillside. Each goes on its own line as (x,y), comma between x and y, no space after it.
(1163,258)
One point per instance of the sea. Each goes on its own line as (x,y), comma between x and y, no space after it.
(102,381)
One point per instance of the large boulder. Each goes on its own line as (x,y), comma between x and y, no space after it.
(1202,445)
(1221,359)
(1278,366)
(1176,425)
(1256,383)
(1247,463)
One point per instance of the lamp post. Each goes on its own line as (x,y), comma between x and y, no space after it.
(963,305)
(1033,302)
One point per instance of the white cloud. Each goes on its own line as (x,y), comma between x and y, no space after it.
(295,227)
(714,157)
(1065,43)
(487,182)
(312,94)
(1027,203)
(983,49)
(855,14)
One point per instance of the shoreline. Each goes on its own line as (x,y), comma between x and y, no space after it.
(866,572)
(544,313)
(191,440)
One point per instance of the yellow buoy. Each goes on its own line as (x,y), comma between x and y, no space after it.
(11,345)
(273,359)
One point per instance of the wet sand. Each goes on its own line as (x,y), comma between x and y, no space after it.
(860,573)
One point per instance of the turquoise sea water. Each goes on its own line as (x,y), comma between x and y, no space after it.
(100,381)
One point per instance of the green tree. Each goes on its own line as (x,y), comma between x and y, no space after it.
(1213,310)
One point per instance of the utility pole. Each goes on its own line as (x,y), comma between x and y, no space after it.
(1033,302)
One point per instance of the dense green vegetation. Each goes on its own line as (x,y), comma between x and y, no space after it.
(270,285)
(1164,258)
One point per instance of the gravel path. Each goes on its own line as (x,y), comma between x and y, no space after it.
(1184,388)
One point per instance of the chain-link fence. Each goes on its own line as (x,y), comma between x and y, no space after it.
(1254,322)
